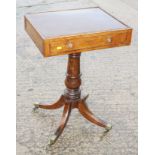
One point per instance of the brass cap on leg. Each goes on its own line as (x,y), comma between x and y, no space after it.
(36,106)
(108,127)
(53,139)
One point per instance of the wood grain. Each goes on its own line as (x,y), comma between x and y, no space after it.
(118,33)
(88,42)
(35,36)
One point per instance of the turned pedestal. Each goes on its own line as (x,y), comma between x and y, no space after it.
(72,99)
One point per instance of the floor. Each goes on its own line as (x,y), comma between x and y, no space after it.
(109,76)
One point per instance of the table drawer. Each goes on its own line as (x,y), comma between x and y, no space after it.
(95,41)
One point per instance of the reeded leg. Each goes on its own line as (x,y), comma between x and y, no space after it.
(55,105)
(84,110)
(63,122)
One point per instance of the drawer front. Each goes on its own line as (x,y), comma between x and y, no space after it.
(76,43)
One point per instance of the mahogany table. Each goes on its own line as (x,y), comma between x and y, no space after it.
(72,32)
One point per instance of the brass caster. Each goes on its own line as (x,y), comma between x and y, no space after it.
(36,106)
(108,127)
(53,140)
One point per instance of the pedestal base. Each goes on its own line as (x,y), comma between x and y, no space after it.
(72,99)
(81,105)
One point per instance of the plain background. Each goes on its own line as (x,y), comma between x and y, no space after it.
(146,77)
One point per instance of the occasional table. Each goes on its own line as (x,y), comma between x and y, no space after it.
(72,32)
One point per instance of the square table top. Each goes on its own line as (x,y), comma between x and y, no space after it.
(54,24)
(58,24)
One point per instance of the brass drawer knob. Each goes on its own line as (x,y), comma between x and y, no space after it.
(109,40)
(70,45)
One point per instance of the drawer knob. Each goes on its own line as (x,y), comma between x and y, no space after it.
(109,40)
(69,44)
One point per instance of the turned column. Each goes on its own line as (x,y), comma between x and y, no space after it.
(73,78)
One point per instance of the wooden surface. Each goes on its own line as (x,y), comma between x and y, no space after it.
(71,31)
(70,22)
